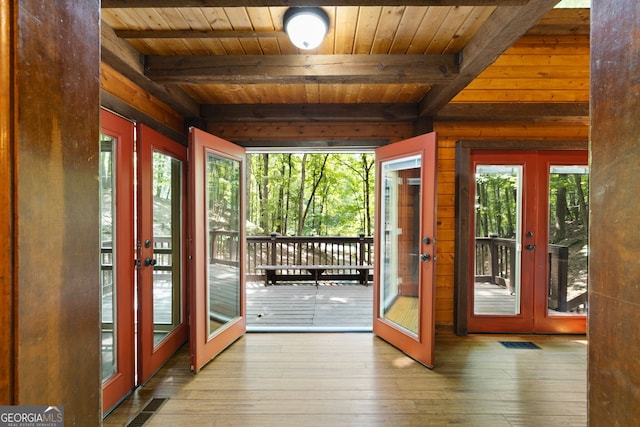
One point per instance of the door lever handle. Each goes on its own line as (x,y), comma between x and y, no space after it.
(149,261)
(530,247)
(425,257)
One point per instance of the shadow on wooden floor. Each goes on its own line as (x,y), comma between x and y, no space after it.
(356,379)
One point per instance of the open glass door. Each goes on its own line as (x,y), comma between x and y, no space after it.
(405,225)
(217,283)
(162,326)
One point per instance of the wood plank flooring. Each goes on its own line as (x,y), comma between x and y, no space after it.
(356,379)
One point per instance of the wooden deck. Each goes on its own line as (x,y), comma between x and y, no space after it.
(305,306)
(337,306)
(356,379)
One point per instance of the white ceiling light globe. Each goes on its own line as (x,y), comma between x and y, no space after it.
(306,26)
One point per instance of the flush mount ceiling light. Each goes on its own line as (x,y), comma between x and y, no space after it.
(306,26)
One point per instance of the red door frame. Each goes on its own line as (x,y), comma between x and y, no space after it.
(151,357)
(123,380)
(420,347)
(534,315)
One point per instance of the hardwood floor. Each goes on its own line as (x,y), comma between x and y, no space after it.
(356,379)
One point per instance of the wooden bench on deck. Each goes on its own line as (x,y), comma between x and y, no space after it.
(315,272)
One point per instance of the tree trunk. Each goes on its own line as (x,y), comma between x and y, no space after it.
(303,174)
(561,213)
(316,184)
(483,215)
(279,213)
(497,210)
(366,167)
(287,203)
(584,213)
(264,195)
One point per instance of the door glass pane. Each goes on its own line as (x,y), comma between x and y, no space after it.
(167,245)
(568,249)
(107,254)
(498,207)
(400,244)
(223,248)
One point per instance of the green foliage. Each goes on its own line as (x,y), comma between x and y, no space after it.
(496,200)
(320,194)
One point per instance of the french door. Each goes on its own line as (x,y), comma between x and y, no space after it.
(143,257)
(116,257)
(530,244)
(217,191)
(161,258)
(405,228)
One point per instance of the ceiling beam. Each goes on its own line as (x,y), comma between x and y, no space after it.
(407,112)
(288,69)
(122,57)
(275,3)
(503,28)
(543,112)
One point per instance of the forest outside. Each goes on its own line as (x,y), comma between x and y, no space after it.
(498,198)
(310,194)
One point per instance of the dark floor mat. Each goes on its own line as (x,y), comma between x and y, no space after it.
(521,345)
(148,411)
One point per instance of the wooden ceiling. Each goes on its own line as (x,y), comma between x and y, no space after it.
(396,59)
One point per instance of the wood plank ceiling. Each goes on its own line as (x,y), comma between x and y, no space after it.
(230,60)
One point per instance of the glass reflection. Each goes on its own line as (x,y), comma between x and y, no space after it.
(223,248)
(498,221)
(568,250)
(107,253)
(400,246)
(167,244)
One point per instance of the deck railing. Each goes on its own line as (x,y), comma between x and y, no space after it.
(496,260)
(307,250)
(291,250)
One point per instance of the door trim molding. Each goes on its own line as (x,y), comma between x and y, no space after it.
(462,257)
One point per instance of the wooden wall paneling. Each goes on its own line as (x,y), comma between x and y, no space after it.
(614,289)
(7,139)
(57,211)
(121,87)
(535,69)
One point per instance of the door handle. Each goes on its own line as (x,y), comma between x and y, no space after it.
(149,261)
(425,257)
(530,247)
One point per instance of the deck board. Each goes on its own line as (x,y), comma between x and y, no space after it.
(330,304)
